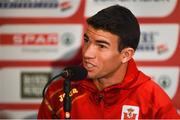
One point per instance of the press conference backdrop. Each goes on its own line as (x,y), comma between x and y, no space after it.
(38,38)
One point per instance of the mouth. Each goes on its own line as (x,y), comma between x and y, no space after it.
(89,66)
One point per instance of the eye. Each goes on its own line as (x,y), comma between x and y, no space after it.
(86,40)
(102,46)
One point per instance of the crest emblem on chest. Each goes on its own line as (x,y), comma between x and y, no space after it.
(130,112)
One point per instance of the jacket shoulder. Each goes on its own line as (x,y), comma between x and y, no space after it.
(153,91)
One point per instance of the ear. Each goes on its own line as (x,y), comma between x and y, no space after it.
(127,54)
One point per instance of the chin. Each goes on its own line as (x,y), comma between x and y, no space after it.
(90,76)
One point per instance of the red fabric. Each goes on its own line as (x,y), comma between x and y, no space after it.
(136,89)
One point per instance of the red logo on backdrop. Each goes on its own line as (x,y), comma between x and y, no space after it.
(29,39)
(64,5)
(162,48)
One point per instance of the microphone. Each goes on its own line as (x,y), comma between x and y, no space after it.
(72,73)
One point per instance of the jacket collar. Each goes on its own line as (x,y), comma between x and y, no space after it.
(130,79)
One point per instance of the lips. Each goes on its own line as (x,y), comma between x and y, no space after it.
(88,65)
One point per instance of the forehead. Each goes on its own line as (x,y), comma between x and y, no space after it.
(100,34)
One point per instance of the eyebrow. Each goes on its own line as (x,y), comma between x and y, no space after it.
(97,41)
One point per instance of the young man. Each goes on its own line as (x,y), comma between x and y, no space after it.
(114,87)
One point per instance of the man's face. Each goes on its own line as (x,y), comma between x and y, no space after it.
(101,57)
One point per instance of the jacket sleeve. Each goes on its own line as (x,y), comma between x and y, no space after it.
(45,110)
(164,106)
(49,104)
(167,112)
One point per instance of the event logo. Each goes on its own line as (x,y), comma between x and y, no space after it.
(18,83)
(156,42)
(67,39)
(32,84)
(141,8)
(38,8)
(164,81)
(130,112)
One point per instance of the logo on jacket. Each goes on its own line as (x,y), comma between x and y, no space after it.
(130,112)
(72,92)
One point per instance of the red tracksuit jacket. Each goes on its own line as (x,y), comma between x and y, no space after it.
(136,97)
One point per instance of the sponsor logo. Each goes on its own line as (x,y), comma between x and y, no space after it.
(130,112)
(162,48)
(42,42)
(141,8)
(156,42)
(147,41)
(63,4)
(36,8)
(72,92)
(32,84)
(29,39)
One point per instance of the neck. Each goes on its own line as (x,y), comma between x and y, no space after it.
(115,78)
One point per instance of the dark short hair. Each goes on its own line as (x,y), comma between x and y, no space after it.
(120,21)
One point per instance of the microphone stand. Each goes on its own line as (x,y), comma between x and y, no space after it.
(67,99)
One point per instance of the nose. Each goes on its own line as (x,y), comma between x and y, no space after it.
(89,51)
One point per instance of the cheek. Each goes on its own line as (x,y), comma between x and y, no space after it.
(107,59)
(83,49)
(111,56)
(111,61)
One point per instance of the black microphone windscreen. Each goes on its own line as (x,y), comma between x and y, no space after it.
(76,72)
